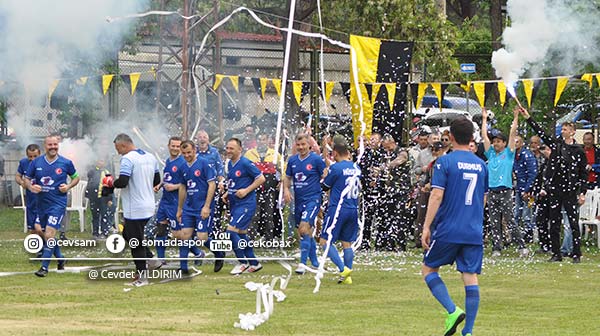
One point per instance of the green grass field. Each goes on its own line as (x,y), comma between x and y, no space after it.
(388,297)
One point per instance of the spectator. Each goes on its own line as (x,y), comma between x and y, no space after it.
(395,178)
(592,155)
(249,141)
(424,184)
(500,166)
(525,170)
(100,202)
(566,183)
(263,158)
(372,158)
(542,210)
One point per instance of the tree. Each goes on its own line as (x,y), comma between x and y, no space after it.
(408,20)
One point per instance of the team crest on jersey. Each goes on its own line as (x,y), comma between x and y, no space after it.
(238,173)
(197,172)
(300,177)
(58,171)
(174,169)
(309,167)
(46,180)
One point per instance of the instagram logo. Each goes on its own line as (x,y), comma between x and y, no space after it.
(33,243)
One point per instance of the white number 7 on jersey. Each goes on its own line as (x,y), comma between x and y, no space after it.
(472,177)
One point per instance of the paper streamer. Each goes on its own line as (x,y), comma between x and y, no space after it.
(265,300)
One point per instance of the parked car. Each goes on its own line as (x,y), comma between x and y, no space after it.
(453,102)
(434,118)
(582,115)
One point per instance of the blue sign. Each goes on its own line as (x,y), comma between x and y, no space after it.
(467,68)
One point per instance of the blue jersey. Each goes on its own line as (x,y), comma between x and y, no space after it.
(500,167)
(343,175)
(214,159)
(464,179)
(240,175)
(306,175)
(50,175)
(172,175)
(196,177)
(30,198)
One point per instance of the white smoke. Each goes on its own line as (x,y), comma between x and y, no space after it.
(39,36)
(39,40)
(553,35)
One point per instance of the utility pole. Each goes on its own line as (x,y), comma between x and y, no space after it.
(185,70)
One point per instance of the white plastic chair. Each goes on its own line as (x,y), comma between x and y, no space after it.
(79,202)
(24,207)
(592,212)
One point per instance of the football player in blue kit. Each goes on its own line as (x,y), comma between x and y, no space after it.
(243,179)
(194,211)
(32,151)
(47,177)
(453,228)
(305,171)
(166,215)
(341,220)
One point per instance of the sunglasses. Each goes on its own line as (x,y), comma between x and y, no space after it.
(445,140)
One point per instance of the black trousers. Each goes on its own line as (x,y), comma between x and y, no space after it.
(568,201)
(134,228)
(542,216)
(371,210)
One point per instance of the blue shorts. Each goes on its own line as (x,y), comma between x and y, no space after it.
(166,213)
(468,257)
(241,216)
(307,212)
(196,222)
(31,218)
(346,225)
(51,217)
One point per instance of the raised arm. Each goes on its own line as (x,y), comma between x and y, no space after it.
(484,130)
(513,129)
(548,140)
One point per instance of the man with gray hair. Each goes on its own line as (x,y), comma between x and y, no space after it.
(138,176)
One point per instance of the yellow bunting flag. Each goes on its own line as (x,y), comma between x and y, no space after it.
(328,90)
(391,93)
(466,86)
(218,80)
(437,88)
(297,86)
(134,78)
(421,93)
(235,80)
(598,79)
(528,88)
(376,88)
(106,80)
(277,85)
(52,87)
(502,92)
(479,88)
(588,78)
(561,84)
(263,86)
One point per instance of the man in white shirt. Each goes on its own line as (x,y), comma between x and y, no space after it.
(138,175)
